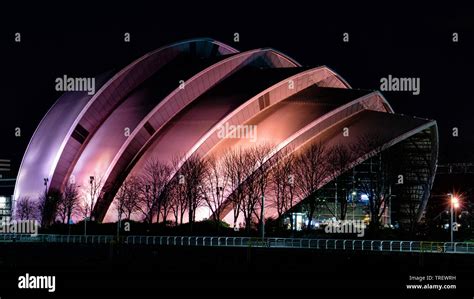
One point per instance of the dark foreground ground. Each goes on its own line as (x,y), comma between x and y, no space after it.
(88,271)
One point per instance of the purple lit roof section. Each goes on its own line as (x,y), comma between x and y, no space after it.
(289,118)
(103,146)
(45,144)
(273,95)
(113,92)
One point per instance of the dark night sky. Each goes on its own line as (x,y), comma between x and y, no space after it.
(85,40)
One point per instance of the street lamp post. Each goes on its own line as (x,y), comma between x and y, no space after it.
(262,219)
(451,218)
(454,204)
(91,181)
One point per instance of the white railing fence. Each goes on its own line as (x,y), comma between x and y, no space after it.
(321,244)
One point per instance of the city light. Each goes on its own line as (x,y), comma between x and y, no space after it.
(455,202)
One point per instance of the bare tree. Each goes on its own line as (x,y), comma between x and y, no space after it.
(251,187)
(260,155)
(282,182)
(127,198)
(93,190)
(179,204)
(250,200)
(311,170)
(48,206)
(193,171)
(133,196)
(178,200)
(235,169)
(216,181)
(120,200)
(377,182)
(166,203)
(377,186)
(340,158)
(154,187)
(69,203)
(25,208)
